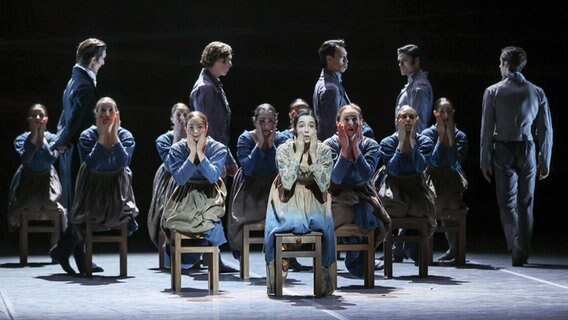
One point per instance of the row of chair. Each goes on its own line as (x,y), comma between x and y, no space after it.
(311,246)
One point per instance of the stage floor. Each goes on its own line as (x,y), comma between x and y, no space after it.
(488,287)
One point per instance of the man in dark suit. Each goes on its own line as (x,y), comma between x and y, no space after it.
(79,99)
(329,94)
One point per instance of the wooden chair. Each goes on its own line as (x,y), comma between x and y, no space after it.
(118,234)
(249,238)
(310,246)
(420,224)
(161,243)
(177,248)
(38,222)
(367,247)
(458,216)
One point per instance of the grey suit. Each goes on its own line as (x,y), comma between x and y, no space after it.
(511,109)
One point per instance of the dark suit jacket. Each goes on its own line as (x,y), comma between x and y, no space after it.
(79,100)
(329,96)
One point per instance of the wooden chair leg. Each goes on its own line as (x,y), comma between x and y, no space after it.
(278,281)
(161,241)
(123,251)
(88,250)
(318,268)
(460,245)
(387,255)
(213,268)
(23,239)
(245,253)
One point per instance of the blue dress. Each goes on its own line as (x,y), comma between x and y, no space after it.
(354,199)
(104,193)
(251,186)
(401,184)
(444,173)
(198,201)
(162,186)
(35,186)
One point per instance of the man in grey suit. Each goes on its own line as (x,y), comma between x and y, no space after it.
(329,94)
(515,114)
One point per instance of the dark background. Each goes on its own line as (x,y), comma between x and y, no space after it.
(153,60)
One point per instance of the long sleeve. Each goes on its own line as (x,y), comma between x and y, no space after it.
(400,164)
(254,160)
(544,130)
(287,167)
(79,99)
(35,158)
(443,157)
(353,171)
(322,168)
(208,97)
(421,96)
(98,158)
(210,168)
(487,130)
(163,144)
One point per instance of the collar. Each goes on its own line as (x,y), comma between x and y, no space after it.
(90,72)
(213,78)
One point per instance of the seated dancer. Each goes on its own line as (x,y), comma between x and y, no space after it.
(298,199)
(104,194)
(295,106)
(444,172)
(163,183)
(400,182)
(197,203)
(35,186)
(354,199)
(256,153)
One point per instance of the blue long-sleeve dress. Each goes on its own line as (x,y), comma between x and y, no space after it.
(162,186)
(444,172)
(251,186)
(401,184)
(104,193)
(35,186)
(197,204)
(354,199)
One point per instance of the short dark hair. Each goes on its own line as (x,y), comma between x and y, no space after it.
(411,50)
(441,101)
(303,112)
(178,105)
(516,57)
(88,49)
(37,105)
(214,51)
(328,48)
(264,107)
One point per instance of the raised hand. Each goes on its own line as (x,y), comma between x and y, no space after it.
(355,141)
(313,147)
(259,135)
(270,138)
(179,129)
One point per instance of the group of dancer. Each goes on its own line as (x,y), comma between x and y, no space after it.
(324,171)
